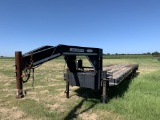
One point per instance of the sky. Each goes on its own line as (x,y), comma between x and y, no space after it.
(116,26)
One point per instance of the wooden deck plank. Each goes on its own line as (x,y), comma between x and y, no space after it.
(118,72)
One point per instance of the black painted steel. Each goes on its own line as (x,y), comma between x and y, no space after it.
(77,75)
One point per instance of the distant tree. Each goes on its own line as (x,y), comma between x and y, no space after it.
(155,54)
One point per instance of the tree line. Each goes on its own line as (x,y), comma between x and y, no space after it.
(154,54)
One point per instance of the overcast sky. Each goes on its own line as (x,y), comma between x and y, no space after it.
(117,26)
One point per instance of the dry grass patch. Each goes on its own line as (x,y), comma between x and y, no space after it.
(88,116)
(47,101)
(13,114)
(108,115)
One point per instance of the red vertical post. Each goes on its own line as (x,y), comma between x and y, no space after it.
(18,65)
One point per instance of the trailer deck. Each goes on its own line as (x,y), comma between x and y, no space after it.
(118,72)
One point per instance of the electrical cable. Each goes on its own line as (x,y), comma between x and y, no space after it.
(64,67)
(33,78)
(27,75)
(52,53)
(27,70)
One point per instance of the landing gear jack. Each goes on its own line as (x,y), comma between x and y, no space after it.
(105,85)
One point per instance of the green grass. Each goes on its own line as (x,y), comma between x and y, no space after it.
(136,99)
(141,100)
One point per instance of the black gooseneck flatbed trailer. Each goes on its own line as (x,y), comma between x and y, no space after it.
(95,77)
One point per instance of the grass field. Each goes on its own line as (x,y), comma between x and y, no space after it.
(136,99)
(125,56)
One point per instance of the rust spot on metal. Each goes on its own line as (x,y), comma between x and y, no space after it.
(18,66)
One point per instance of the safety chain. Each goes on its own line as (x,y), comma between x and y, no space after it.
(27,70)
